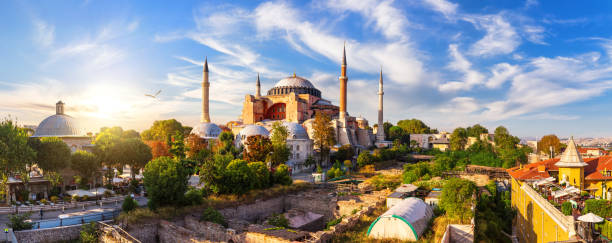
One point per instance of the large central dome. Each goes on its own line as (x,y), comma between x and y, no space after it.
(294,84)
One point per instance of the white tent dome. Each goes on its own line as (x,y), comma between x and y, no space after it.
(405,221)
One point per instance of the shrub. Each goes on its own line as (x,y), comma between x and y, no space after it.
(18,221)
(212,215)
(278,220)
(348,164)
(365,158)
(262,174)
(75,197)
(338,172)
(85,198)
(193,197)
(89,233)
(54,199)
(44,201)
(566,208)
(129,204)
(331,173)
(165,180)
(601,207)
(240,177)
(319,169)
(281,175)
(333,222)
(108,193)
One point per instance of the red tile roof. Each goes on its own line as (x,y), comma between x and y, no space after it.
(591,171)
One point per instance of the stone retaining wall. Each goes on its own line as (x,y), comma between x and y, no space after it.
(144,232)
(257,211)
(64,233)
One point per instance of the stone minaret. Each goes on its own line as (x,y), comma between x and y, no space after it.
(380,132)
(205,86)
(343,79)
(59,108)
(258,93)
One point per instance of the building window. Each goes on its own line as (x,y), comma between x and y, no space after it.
(608,173)
(298,156)
(297,147)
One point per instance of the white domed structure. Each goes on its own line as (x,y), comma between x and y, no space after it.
(296,131)
(207,130)
(58,125)
(249,131)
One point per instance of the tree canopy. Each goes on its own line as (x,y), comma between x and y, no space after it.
(324,136)
(549,141)
(160,130)
(458,139)
(258,148)
(86,164)
(52,154)
(132,152)
(457,198)
(165,180)
(14,150)
(415,126)
(476,130)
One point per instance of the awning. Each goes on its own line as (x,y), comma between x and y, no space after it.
(80,193)
(590,218)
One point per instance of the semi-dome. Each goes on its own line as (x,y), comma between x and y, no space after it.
(294,84)
(253,130)
(295,130)
(207,130)
(58,125)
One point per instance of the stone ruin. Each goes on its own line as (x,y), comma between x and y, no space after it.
(307,212)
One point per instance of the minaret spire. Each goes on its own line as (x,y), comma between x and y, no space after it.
(380,131)
(343,79)
(258,93)
(205,86)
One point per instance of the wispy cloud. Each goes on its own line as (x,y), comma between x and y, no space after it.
(459,63)
(44,33)
(500,38)
(447,8)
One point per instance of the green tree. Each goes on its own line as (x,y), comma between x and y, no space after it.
(89,233)
(130,134)
(282,176)
(458,139)
(129,204)
(504,140)
(324,136)
(547,142)
(399,135)
(132,152)
(414,126)
(258,148)
(345,152)
(165,180)
(177,145)
(279,134)
(476,130)
(53,154)
(239,176)
(162,129)
(279,155)
(262,175)
(365,158)
(387,126)
(86,164)
(457,199)
(226,144)
(18,221)
(194,144)
(213,173)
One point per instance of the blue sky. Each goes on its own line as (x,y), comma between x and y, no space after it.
(536,67)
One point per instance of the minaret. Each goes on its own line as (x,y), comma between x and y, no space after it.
(380,132)
(343,79)
(258,93)
(59,108)
(205,86)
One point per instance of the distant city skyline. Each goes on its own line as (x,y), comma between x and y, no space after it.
(535,67)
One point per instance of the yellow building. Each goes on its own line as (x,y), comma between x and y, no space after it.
(538,220)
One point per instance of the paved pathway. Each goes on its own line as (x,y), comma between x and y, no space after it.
(142,201)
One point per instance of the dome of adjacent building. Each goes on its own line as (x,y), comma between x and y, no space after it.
(294,84)
(295,130)
(58,125)
(253,130)
(207,130)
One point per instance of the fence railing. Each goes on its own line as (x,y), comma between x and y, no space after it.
(81,219)
(118,231)
(60,206)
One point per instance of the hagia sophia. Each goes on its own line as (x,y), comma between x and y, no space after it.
(294,101)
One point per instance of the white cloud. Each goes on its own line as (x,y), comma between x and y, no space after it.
(534,34)
(447,8)
(500,38)
(45,33)
(461,64)
(501,72)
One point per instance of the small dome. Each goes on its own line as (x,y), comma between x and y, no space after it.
(252,130)
(207,130)
(296,131)
(58,125)
(294,81)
